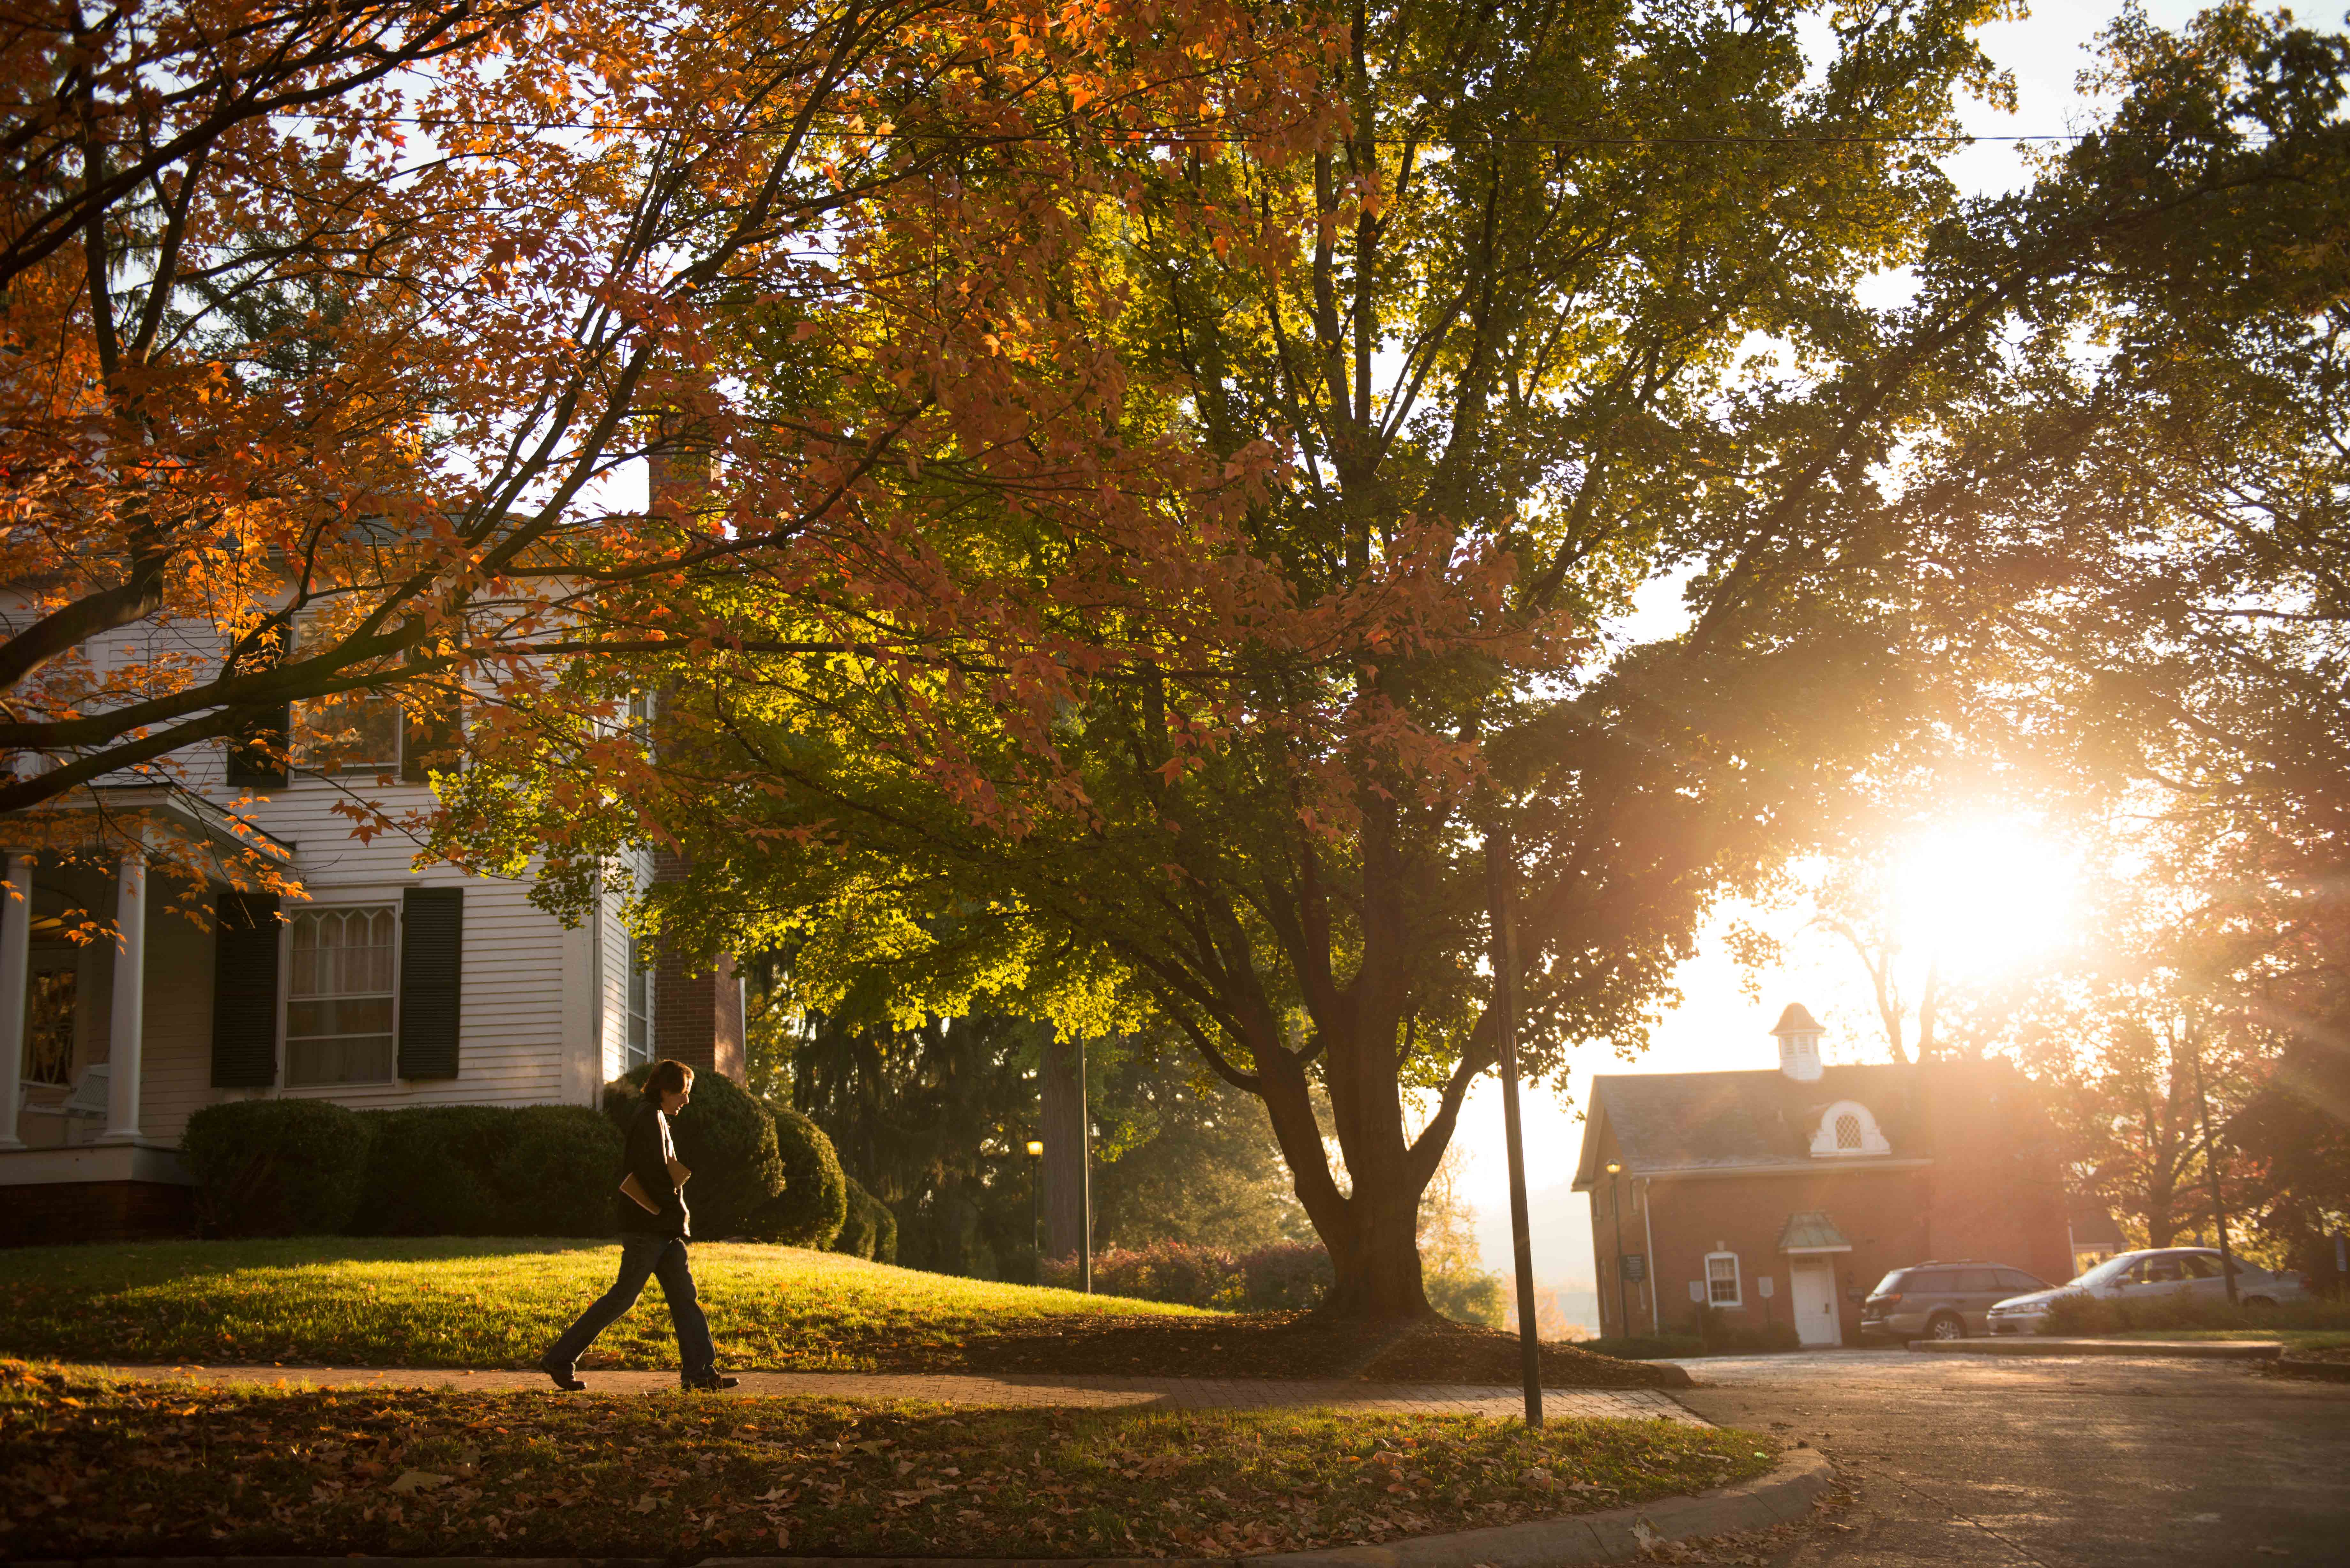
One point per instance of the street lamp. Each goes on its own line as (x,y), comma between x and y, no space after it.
(1615,1201)
(1036,1166)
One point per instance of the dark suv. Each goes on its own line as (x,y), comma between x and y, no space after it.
(1940,1300)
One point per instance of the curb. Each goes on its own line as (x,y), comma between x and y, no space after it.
(2315,1371)
(2180,1349)
(1780,1497)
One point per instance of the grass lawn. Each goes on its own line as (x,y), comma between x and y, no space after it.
(93,1467)
(463,1302)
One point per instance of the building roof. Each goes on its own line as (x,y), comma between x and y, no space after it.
(1812,1231)
(1689,1122)
(1796,1020)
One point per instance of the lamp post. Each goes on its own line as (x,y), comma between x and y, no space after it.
(1501,874)
(1036,1170)
(1615,1201)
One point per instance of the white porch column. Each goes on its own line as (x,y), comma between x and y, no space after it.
(16,968)
(125,1029)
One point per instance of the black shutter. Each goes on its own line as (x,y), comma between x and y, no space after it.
(244,990)
(432,954)
(256,753)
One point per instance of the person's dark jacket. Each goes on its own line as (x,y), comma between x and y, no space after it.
(646,1156)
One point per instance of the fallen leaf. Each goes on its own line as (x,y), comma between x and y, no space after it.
(418,1480)
(644,1504)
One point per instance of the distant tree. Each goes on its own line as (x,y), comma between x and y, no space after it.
(1183,1155)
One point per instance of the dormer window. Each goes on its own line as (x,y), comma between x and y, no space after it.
(1847,1129)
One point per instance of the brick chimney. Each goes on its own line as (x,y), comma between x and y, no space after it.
(697,1014)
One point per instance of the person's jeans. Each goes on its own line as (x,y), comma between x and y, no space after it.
(642,1258)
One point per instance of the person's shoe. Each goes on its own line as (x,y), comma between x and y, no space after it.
(565,1378)
(709,1382)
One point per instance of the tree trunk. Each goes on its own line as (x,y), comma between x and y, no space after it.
(1376,1257)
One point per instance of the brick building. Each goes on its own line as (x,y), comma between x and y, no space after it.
(1781,1197)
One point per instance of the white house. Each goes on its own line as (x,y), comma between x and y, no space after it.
(384,987)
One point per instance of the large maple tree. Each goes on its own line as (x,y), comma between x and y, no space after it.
(1214,703)
(331,329)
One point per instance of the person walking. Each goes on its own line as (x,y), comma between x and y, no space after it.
(654,1227)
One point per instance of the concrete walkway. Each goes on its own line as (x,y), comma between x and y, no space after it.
(1012,1389)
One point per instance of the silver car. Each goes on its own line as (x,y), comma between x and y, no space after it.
(2192,1272)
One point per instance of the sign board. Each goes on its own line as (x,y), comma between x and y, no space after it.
(1697,1292)
(1636,1267)
(1768,1286)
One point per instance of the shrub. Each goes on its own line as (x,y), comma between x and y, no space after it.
(813,1204)
(1284,1275)
(1644,1347)
(1467,1298)
(1717,1332)
(491,1171)
(869,1228)
(2076,1314)
(277,1168)
(1287,1276)
(727,1137)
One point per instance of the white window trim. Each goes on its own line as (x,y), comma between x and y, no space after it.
(1873,1144)
(1737,1281)
(340,898)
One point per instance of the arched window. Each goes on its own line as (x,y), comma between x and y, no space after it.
(1847,1128)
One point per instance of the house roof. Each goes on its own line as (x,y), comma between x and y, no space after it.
(1796,1020)
(1686,1122)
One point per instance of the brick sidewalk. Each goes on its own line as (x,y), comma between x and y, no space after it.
(1015,1388)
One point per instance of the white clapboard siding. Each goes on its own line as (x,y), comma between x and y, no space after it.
(543,1016)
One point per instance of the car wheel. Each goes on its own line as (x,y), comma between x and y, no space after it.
(2260,1301)
(1946,1326)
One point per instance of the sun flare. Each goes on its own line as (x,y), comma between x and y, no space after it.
(1986,895)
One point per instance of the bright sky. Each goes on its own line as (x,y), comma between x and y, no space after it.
(1716,1027)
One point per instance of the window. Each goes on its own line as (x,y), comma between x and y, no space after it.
(369,732)
(1847,1129)
(358,731)
(339,1004)
(1976,1281)
(640,1003)
(2017,1280)
(50,1002)
(2198,1267)
(1721,1279)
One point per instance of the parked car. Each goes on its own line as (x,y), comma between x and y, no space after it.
(2192,1272)
(1940,1300)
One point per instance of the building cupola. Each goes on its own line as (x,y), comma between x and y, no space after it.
(1799,1043)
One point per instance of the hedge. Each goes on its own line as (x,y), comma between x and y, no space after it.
(870,1228)
(813,1205)
(491,1171)
(729,1140)
(277,1168)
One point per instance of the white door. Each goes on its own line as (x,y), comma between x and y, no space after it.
(1815,1303)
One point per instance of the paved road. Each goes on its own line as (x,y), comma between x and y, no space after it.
(2078,1462)
(1010,1389)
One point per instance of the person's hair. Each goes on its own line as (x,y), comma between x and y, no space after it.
(666,1077)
